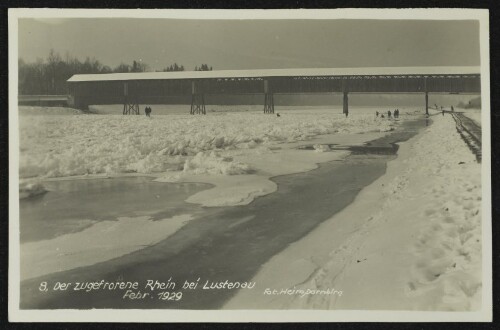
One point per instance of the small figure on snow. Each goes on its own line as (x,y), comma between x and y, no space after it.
(389,114)
(278,115)
(376,113)
(148,111)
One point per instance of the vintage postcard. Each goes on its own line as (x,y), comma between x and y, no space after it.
(249,165)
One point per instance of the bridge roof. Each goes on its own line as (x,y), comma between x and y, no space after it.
(263,73)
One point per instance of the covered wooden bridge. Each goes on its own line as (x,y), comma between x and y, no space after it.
(132,89)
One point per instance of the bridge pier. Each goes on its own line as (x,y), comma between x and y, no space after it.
(346,104)
(268,103)
(426,103)
(130,108)
(130,105)
(198,104)
(268,98)
(197,100)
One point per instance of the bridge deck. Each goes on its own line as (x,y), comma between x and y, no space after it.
(267,73)
(152,87)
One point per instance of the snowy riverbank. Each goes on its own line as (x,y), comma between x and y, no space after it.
(410,241)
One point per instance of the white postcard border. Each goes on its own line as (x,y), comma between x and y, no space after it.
(107,315)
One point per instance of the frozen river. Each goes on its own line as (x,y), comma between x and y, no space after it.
(217,245)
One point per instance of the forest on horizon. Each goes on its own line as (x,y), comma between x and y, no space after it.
(48,76)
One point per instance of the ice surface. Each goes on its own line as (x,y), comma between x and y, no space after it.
(100,242)
(57,145)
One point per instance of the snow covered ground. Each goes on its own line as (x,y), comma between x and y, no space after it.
(410,241)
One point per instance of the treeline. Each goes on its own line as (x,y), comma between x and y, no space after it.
(177,67)
(203,67)
(48,76)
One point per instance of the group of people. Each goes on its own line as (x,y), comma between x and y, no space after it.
(389,114)
(147,111)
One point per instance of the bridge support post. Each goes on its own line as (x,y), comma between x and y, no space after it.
(197,100)
(268,98)
(130,108)
(269,103)
(346,104)
(130,105)
(426,103)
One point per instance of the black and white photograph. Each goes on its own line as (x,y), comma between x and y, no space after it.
(249,165)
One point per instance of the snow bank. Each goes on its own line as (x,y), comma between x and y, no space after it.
(56,146)
(410,241)
(102,241)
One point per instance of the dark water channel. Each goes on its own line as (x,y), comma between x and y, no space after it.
(229,243)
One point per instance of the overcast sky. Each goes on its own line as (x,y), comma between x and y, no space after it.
(254,44)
